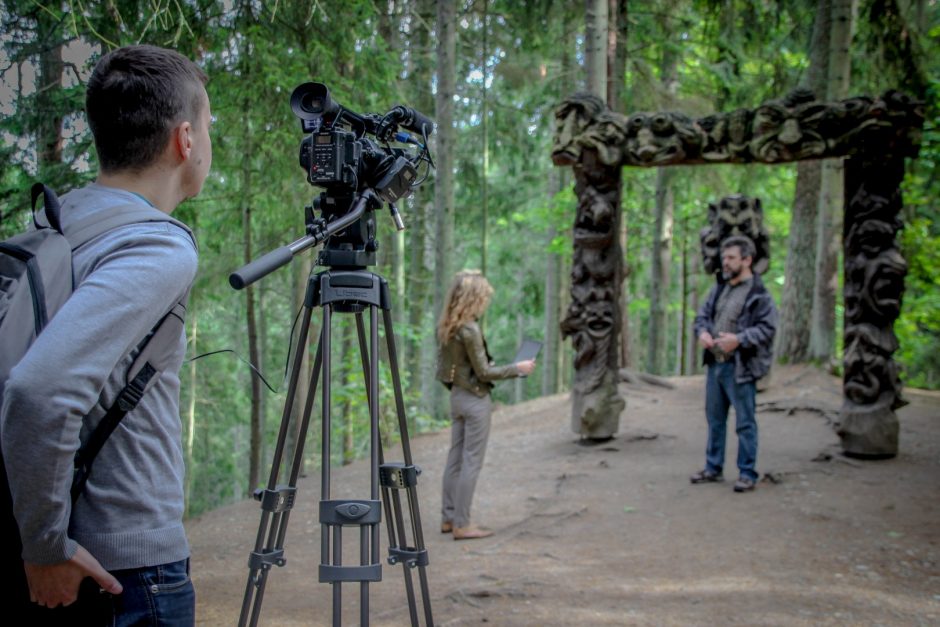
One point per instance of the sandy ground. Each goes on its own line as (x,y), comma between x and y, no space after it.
(615,534)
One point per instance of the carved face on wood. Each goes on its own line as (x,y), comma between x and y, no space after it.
(874,286)
(871,237)
(867,205)
(607,137)
(784,132)
(572,117)
(734,215)
(869,370)
(590,323)
(594,222)
(661,138)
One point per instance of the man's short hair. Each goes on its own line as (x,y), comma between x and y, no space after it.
(744,243)
(135,96)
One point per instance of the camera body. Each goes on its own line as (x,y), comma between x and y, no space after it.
(330,158)
(338,155)
(351,156)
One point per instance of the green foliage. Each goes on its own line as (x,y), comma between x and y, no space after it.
(918,327)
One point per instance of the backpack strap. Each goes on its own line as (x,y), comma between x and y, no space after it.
(142,374)
(153,349)
(50,202)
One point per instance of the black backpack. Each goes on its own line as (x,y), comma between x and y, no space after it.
(35,281)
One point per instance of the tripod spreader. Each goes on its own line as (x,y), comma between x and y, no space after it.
(268,263)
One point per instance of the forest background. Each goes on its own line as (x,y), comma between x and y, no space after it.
(490,72)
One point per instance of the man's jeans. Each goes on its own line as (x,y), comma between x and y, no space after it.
(721,392)
(156,596)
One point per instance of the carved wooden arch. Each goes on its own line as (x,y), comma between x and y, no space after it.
(876,134)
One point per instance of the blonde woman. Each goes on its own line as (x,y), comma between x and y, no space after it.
(467,370)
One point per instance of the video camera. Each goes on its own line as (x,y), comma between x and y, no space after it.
(357,173)
(338,159)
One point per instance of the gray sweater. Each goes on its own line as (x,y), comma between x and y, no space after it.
(130,513)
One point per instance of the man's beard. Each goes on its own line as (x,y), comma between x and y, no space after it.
(729,275)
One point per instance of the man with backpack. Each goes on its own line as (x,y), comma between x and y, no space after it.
(122,541)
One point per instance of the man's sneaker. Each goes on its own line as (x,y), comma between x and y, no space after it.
(743,484)
(706,476)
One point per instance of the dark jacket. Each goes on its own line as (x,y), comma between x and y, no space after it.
(756,328)
(465,362)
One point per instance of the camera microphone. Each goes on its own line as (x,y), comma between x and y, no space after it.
(413,120)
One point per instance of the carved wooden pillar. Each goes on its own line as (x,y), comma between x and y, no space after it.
(874,284)
(593,317)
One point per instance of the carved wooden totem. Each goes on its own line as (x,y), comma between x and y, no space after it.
(877,134)
(874,273)
(593,317)
(734,215)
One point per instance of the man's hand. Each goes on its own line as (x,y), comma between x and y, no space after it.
(57,584)
(727,342)
(526,367)
(705,340)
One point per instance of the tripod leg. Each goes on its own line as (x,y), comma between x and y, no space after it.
(392,506)
(417,529)
(277,500)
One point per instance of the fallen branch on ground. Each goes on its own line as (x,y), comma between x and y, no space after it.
(635,378)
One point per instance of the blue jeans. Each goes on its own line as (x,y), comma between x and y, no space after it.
(156,596)
(722,392)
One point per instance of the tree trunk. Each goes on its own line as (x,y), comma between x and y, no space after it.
(691,350)
(418,273)
(663,233)
(564,356)
(659,278)
(552,302)
(190,426)
(49,88)
(616,54)
(301,272)
(595,47)
(518,394)
(444,187)
(484,129)
(254,352)
(828,239)
(389,22)
(616,68)
(681,344)
(796,306)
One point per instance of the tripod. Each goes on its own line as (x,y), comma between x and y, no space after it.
(347,289)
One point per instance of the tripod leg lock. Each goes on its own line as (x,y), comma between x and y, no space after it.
(264,560)
(408,556)
(398,476)
(280,499)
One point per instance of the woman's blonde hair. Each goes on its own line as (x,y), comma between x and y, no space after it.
(467,299)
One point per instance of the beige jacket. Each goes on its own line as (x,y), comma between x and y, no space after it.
(464,361)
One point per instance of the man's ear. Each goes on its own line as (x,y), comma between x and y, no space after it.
(183,140)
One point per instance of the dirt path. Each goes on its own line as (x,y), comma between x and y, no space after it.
(616,535)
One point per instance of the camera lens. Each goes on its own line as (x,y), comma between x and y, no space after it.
(312,104)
